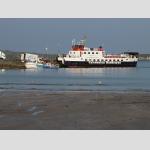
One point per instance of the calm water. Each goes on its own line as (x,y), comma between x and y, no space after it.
(70,79)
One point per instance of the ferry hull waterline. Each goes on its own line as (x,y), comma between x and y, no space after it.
(70,64)
(83,57)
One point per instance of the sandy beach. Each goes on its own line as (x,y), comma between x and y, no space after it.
(74,110)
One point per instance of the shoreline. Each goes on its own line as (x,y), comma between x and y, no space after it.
(7,64)
(46,91)
(34,110)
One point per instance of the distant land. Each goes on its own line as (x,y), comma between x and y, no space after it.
(15,56)
(144,57)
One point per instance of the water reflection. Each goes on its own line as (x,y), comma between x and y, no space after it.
(2,70)
(34,70)
(100,71)
(84,70)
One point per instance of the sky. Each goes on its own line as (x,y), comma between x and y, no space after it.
(116,35)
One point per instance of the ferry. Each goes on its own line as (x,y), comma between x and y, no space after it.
(81,56)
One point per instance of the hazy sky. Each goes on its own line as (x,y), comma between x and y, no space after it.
(116,35)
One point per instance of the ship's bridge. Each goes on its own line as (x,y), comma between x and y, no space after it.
(87,53)
(79,49)
(79,46)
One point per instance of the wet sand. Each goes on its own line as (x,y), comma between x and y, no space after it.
(74,110)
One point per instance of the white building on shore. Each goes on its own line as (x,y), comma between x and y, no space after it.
(2,55)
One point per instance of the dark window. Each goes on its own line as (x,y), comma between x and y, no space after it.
(114,60)
(97,59)
(92,52)
(118,60)
(88,52)
(109,59)
(94,60)
(96,52)
(84,52)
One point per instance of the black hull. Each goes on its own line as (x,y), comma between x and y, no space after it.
(71,64)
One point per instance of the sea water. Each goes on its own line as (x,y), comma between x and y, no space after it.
(78,79)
